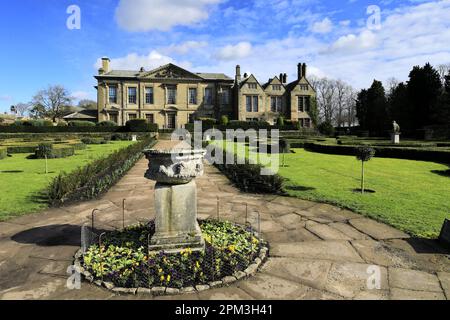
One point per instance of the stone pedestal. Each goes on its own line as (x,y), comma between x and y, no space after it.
(395,138)
(134,138)
(176,218)
(174,166)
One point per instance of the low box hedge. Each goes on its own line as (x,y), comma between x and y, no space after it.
(248,178)
(90,140)
(422,154)
(3,152)
(57,152)
(94,179)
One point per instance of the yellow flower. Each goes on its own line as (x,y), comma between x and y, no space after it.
(255,241)
(160,270)
(162,278)
(168,278)
(232,248)
(197,264)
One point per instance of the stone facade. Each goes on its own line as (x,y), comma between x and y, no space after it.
(172,97)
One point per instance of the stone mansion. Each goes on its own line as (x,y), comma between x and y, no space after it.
(172,96)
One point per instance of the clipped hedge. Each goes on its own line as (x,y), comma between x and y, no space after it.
(248,178)
(22,149)
(90,140)
(94,179)
(384,152)
(55,153)
(3,152)
(140,125)
(80,123)
(59,129)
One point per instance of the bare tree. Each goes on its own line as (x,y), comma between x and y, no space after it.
(343,90)
(21,109)
(443,69)
(391,84)
(53,100)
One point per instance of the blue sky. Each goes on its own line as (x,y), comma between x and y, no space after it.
(264,37)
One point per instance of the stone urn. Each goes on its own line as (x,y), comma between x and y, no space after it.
(174,167)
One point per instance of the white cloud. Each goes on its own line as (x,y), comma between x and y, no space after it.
(324,26)
(234,52)
(133,61)
(365,40)
(146,15)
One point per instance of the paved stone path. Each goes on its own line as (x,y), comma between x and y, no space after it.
(317,251)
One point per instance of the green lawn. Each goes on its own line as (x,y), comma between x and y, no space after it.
(21,179)
(413,196)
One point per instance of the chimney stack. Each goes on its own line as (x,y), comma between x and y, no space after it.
(300,71)
(304,69)
(285,78)
(281,77)
(105,66)
(238,73)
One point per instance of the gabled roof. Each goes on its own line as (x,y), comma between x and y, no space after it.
(167,71)
(250,77)
(271,80)
(292,85)
(85,114)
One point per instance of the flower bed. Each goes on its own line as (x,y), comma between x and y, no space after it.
(122,262)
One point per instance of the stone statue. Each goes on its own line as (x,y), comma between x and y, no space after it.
(396,127)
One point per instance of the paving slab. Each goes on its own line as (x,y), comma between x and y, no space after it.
(414,280)
(349,231)
(379,253)
(326,232)
(403,294)
(444,278)
(351,279)
(312,273)
(377,230)
(267,287)
(323,250)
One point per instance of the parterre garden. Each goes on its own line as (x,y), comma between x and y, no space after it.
(73,161)
(410,195)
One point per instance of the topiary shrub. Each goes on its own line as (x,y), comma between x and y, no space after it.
(364,154)
(326,128)
(280,122)
(224,120)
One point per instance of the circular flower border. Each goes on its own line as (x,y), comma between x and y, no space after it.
(251,270)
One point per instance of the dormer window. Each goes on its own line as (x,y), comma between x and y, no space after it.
(304,87)
(252,86)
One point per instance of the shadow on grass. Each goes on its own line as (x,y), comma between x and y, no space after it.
(368,191)
(299,188)
(443,173)
(11,171)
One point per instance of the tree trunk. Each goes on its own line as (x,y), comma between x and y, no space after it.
(46,165)
(362,176)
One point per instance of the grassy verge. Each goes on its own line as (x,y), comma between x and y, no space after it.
(21,179)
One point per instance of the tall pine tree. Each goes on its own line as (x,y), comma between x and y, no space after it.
(424,90)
